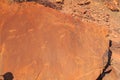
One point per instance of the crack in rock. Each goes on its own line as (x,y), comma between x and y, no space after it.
(108,64)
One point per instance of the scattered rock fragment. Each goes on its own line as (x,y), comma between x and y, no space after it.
(84,2)
(117,30)
(112,7)
(59,1)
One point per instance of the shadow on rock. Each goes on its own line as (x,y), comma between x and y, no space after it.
(108,64)
(8,76)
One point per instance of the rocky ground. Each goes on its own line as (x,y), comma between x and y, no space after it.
(98,12)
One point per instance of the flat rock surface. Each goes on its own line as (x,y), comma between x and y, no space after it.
(39,43)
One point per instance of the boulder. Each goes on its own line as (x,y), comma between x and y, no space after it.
(39,43)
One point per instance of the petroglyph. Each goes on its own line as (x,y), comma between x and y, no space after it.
(12,30)
(30,30)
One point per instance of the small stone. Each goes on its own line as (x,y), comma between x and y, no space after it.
(119,31)
(112,7)
(59,1)
(115,36)
(84,2)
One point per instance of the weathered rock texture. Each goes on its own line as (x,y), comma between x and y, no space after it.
(39,43)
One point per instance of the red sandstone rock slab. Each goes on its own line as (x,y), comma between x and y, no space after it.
(39,43)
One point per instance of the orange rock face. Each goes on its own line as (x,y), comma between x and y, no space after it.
(39,43)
